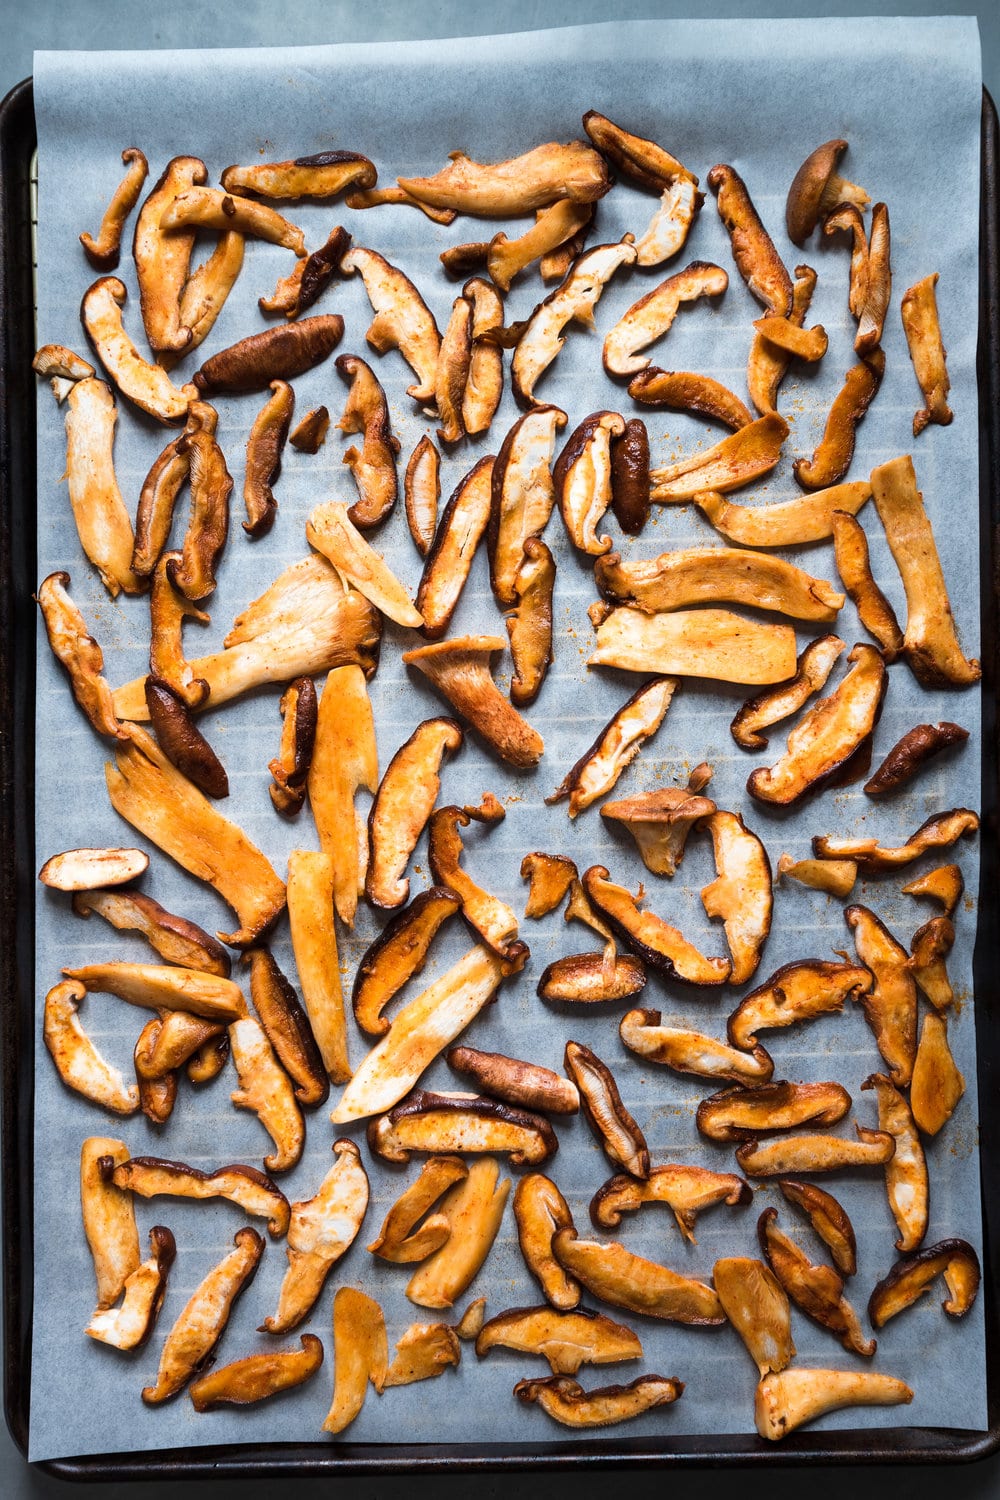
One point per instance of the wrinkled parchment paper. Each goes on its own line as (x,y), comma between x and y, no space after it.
(758,95)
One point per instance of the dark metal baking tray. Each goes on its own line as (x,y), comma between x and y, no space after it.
(17,877)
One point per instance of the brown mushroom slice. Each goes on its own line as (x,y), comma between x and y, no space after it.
(290,767)
(309,435)
(767,364)
(566,1339)
(617,745)
(582,479)
(492,919)
(473,1209)
(685,1190)
(529,625)
(808,344)
(828,1219)
(276,354)
(573,300)
(374,467)
(815,1152)
(104,248)
(78,1062)
(790,1399)
(287,1028)
(108,1218)
(425,1351)
(660,822)
(615,1130)
(206,290)
(422,491)
(506,189)
(330,530)
(700,575)
(453,1122)
(400,1240)
(189,1344)
(837,877)
(102,521)
(360,1352)
(314,943)
(796,992)
(691,1051)
(817,188)
(554,225)
(459,669)
(523,496)
(178,1035)
(163,260)
(182,742)
(646,162)
(147,385)
(651,317)
(850,550)
(756,1305)
(832,456)
(740,896)
(267,438)
(657,943)
(516,1082)
(378,197)
(320,1230)
(208,524)
(157,1092)
(789,523)
(812,669)
(821,744)
(906,1178)
(130,1325)
(209,1060)
(539,1210)
(470,1323)
(936,1085)
(397,954)
(77,651)
(173,938)
(304,285)
(157,986)
(630,477)
(550,877)
(584,979)
(254,1378)
(751,1110)
(847,219)
(890,1004)
(266,1090)
(756,258)
(569,1404)
(682,390)
(818,1290)
(251,1190)
(454,361)
(484,385)
(403,803)
(944,884)
(614,1275)
(909,753)
(915,1274)
(168,609)
(938,832)
(877,284)
(344,761)
(402,319)
(62,368)
(321,176)
(742,456)
(919,313)
(202,207)
(451,554)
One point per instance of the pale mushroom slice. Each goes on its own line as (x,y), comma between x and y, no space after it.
(817,188)
(582,479)
(828,1219)
(148,386)
(704,575)
(944,884)
(525,1084)
(832,456)
(425,1351)
(202,1322)
(459,670)
(691,1051)
(687,1191)
(668,229)
(566,1339)
(468,1326)
(890,1004)
(163,260)
(422,491)
(360,1353)
(656,942)
(397,954)
(454,363)
(163,986)
(256,1377)
(104,248)
(617,745)
(937,1084)
(321,176)
(559,222)
(821,745)
(267,439)
(266,1090)
(812,669)
(940,831)
(506,189)
(201,207)
(344,762)
(817,1290)
(275,354)
(402,321)
(614,1128)
(756,258)
(660,823)
(314,943)
(473,1209)
(490,918)
(529,625)
(468,1123)
(539,1210)
(877,284)
(102,521)
(750,1110)
(108,1218)
(453,549)
(287,1027)
(252,1190)
(56,362)
(793,1397)
(589,979)
(78,1062)
(766,363)
(930,642)
(403,803)
(837,877)
(573,301)
(815,1152)
(330,530)
(744,455)
(290,767)
(78,653)
(682,390)
(650,318)
(906,1179)
(796,992)
(910,1277)
(756,1305)
(320,1230)
(786,523)
(740,896)
(613,1274)
(130,1325)
(850,552)
(566,1402)
(919,313)
(909,753)
(309,435)
(523,496)
(374,467)
(484,386)
(402,1238)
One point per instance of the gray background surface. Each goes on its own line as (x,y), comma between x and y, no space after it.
(89,23)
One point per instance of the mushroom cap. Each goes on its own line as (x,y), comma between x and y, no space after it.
(802,209)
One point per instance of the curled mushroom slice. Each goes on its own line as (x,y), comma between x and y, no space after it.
(201,1324)
(78,1062)
(938,832)
(377,197)
(454,360)
(422,491)
(288,1031)
(828,1219)
(657,943)
(176,939)
(309,435)
(321,176)
(566,1339)
(890,1004)
(62,368)
(588,979)
(756,258)
(266,1090)
(484,386)
(473,1209)
(402,1238)
(944,884)
(267,439)
(847,219)
(651,317)
(148,386)
(163,260)
(246,1381)
(906,1179)
(402,319)
(425,1351)
(206,290)
(701,575)
(877,284)
(808,344)
(756,1305)
(104,248)
(832,456)
(816,1289)
(910,1277)
(506,258)
(550,877)
(616,1131)
(374,467)
(745,455)
(822,743)
(919,313)
(506,189)
(516,1082)
(330,530)
(303,286)
(681,390)
(360,1353)
(814,1152)
(202,207)
(102,521)
(208,524)
(937,1085)
(796,992)
(812,669)
(461,1122)
(76,650)
(450,557)
(108,1218)
(691,1051)
(788,523)
(668,229)
(568,1403)
(403,803)
(582,479)
(909,753)
(177,1037)
(397,954)
(740,896)
(752,1110)
(162,986)
(539,1210)
(345,761)
(157,1091)
(459,669)
(492,919)
(685,1190)
(617,745)
(523,496)
(850,551)
(130,1325)
(767,364)
(646,162)
(314,943)
(290,767)
(817,188)
(835,876)
(660,822)
(793,1397)
(182,742)
(529,625)
(168,609)
(251,1190)
(209,1060)
(614,1275)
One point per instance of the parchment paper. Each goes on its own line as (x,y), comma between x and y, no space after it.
(758,95)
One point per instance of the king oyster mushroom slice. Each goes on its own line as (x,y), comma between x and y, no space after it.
(816,1289)
(266,1090)
(681,390)
(454,362)
(919,313)
(212,208)
(453,549)
(767,364)
(929,948)
(744,455)
(374,467)
(56,362)
(403,803)
(550,877)
(402,1238)
(314,943)
(787,523)
(422,491)
(459,669)
(568,1403)
(817,188)
(589,979)
(473,1209)
(616,1131)
(157,986)
(320,1230)
(554,225)
(484,386)
(756,258)
(822,743)
(712,643)
(613,1274)
(425,1351)
(397,955)
(468,1326)
(177,1037)
(906,1179)
(944,884)
(507,189)
(201,1324)
(523,494)
(254,1378)
(102,521)
(740,896)
(750,1110)
(492,919)
(657,943)
(251,1190)
(617,745)
(909,753)
(660,821)
(321,176)
(703,575)
(832,457)
(829,1220)
(835,876)
(582,479)
(89,869)
(344,762)
(691,1051)
(78,1062)
(937,1085)
(443,1122)
(157,1090)
(539,1210)
(130,1325)
(847,219)
(890,1003)
(148,386)
(685,1190)
(651,317)
(267,439)
(914,1274)
(850,551)
(163,259)
(566,1339)
(402,321)
(796,992)
(938,832)
(360,1354)
(756,1305)
(812,669)
(525,1084)
(815,1152)
(330,530)
(529,625)
(290,767)
(877,284)
(287,1028)
(630,477)
(108,1218)
(789,1399)
(276,354)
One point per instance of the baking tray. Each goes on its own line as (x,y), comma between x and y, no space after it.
(17,878)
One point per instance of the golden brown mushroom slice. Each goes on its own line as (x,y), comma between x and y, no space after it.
(906,1178)
(539,1210)
(817,188)
(767,364)
(402,321)
(78,1062)
(311,275)
(914,1274)
(566,1402)
(459,670)
(582,479)
(877,284)
(660,823)
(206,290)
(62,368)
(796,992)
(473,1209)
(345,761)
(837,877)
(157,1091)
(168,609)
(523,496)
(808,344)
(331,531)
(454,1122)
(847,219)
(712,643)
(850,550)
(266,1090)
(613,1127)
(919,313)
(290,767)
(685,1190)
(147,385)
(938,832)
(425,1351)
(320,1230)
(108,1218)
(378,197)
(703,575)
(550,877)
(656,942)
(818,1290)
(130,1325)
(745,455)
(360,1354)
(374,467)
(208,524)
(403,803)
(163,259)
(102,521)
(276,354)
(691,1051)
(750,1110)
(202,1322)
(944,884)
(162,986)
(529,625)
(821,745)
(787,523)
(309,435)
(484,385)
(644,161)
(253,1191)
(890,1004)
(812,669)
(89,869)
(402,1238)
(104,248)
(469,1324)
(525,1084)
(682,390)
(613,1274)
(256,1377)
(909,753)
(177,1037)
(321,176)
(791,1398)
(453,549)
(554,225)
(936,1085)
(617,745)
(566,1339)
(828,1219)
(757,260)
(397,955)
(589,978)
(453,365)
(267,439)
(740,896)
(489,917)
(422,491)
(314,943)
(815,1152)
(756,1305)
(200,207)
(507,189)
(832,456)
(652,316)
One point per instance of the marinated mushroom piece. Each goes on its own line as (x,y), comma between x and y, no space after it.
(651,317)
(909,753)
(588,979)
(539,1210)
(568,1403)
(757,261)
(312,274)
(320,1230)
(374,467)
(814,1152)
(939,832)
(937,1085)
(158,1093)
(691,1051)
(656,942)
(148,386)
(818,1290)
(944,884)
(422,1029)
(314,943)
(655,169)
(264,446)
(163,259)
(523,496)
(660,822)
(203,207)
(507,189)
(102,521)
(62,368)
(573,300)
(812,669)
(402,321)
(164,987)
(919,313)
(906,1180)
(630,477)
(402,1238)
(251,1190)
(208,524)
(473,1209)
(850,551)
(397,955)
(206,290)
(148,792)
(168,609)
(751,1110)
(189,1344)
(321,176)
(453,548)
(331,531)
(566,1339)
(459,260)
(686,1190)
(704,575)
(275,354)
(529,625)
(108,1218)
(425,1351)
(309,435)
(808,344)
(290,767)
(617,745)
(767,364)
(790,1399)
(182,742)
(877,284)
(344,762)
(459,669)
(104,249)
(287,1029)
(682,390)
(78,1062)
(829,1220)
(740,896)
(471,1321)
(422,491)
(915,1274)
(836,877)
(130,1325)
(550,877)
(616,1132)
(484,386)
(374,197)
(489,917)
(176,939)
(454,361)
(818,188)
(847,219)
(209,1060)
(582,479)
(403,804)
(756,1305)
(796,992)
(266,1090)
(890,1004)
(613,1274)
(787,523)
(743,456)
(461,1122)
(176,1038)
(360,1353)
(832,456)
(820,746)
(930,642)
(516,1082)
(258,1376)
(77,651)
(554,225)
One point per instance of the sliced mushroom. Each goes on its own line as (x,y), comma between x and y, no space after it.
(890,1004)
(835,876)
(813,668)
(484,386)
(454,361)
(516,1082)
(586,979)
(159,986)
(330,530)
(661,821)
(314,942)
(345,761)
(276,354)
(569,1404)
(206,290)
(713,643)
(312,274)
(877,284)
(451,554)
(539,1210)
(767,364)
(751,1110)
(375,197)
(818,1290)
(321,176)
(374,467)
(102,521)
(828,1219)
(682,390)
(808,344)
(685,1190)
(473,1209)
(616,1131)
(657,943)
(77,651)
(566,1339)
(847,219)
(104,248)
(425,1351)
(550,877)
(253,1191)
(163,260)
(461,1122)
(740,896)
(938,832)
(554,225)
(209,1060)
(582,479)
(403,803)
(148,386)
(78,1062)
(506,189)
(246,1381)
(182,742)
(936,1085)
(459,669)
(910,1277)
(919,313)
(832,456)
(529,625)
(691,1051)
(266,1090)
(422,489)
(208,524)
(745,455)
(471,1321)
(794,1397)
(402,319)
(130,1325)
(108,1218)
(815,1153)
(397,955)
(360,1353)
(701,575)
(630,477)
(492,919)
(267,439)
(168,609)
(157,1091)
(202,207)
(850,551)
(796,992)
(62,368)
(173,938)
(944,884)
(617,745)
(756,258)
(909,753)
(906,1179)
(309,435)
(400,1240)
(290,767)
(614,1275)
(818,187)
(651,317)
(523,496)
(789,523)
(177,1037)
(320,1231)
(756,1305)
